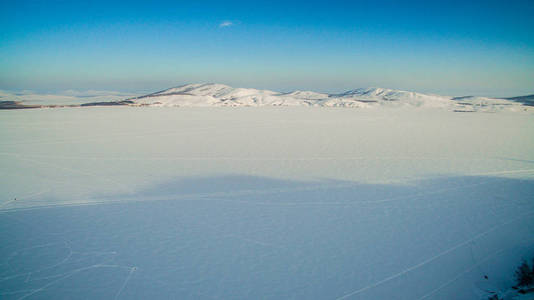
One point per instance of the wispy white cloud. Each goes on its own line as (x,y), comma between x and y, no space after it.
(226,24)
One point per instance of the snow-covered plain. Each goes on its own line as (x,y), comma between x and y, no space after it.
(269,203)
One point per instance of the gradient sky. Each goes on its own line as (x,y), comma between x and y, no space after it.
(447,47)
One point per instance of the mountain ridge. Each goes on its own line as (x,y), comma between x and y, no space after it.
(221,95)
(215,94)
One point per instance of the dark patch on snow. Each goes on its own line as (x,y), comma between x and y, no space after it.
(16,105)
(111,103)
(527,100)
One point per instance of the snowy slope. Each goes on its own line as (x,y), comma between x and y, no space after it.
(211,94)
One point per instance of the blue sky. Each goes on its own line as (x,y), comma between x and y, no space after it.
(447,47)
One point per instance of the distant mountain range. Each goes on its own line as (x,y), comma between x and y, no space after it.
(211,94)
(218,95)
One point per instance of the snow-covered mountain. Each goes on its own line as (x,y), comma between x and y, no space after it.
(213,95)
(217,95)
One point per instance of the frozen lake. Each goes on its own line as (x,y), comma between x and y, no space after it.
(269,203)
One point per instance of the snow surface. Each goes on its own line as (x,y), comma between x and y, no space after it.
(271,203)
(210,94)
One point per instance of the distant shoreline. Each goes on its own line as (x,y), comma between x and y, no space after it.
(10,105)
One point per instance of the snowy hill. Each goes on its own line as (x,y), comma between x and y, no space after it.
(395,97)
(213,95)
